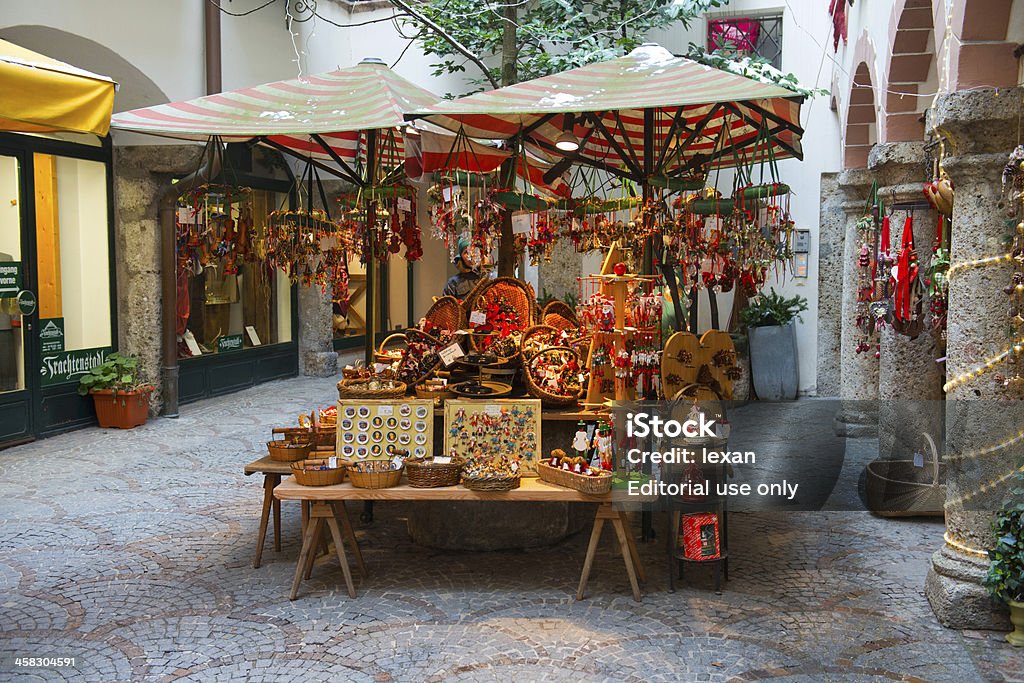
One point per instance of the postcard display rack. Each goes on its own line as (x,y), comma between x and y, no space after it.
(381,429)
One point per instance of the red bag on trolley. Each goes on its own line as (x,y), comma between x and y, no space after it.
(700,536)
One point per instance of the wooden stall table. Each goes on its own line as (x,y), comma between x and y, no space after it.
(325,501)
(272,471)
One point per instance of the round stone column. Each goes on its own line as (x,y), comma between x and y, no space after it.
(909,379)
(858,371)
(980,131)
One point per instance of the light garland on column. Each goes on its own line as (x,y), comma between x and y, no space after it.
(1018,348)
(978,262)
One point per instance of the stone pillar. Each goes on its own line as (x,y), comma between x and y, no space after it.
(980,130)
(909,379)
(858,371)
(558,276)
(317,357)
(831,236)
(141,175)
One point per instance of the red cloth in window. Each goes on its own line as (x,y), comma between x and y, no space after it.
(736,34)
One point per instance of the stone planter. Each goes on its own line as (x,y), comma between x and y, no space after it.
(774,371)
(123,410)
(1016,636)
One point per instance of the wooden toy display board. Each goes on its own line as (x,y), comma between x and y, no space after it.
(369,429)
(477,430)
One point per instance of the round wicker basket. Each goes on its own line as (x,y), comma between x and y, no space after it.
(390,354)
(309,472)
(415,375)
(370,389)
(427,474)
(491,483)
(534,388)
(285,451)
(446,313)
(374,474)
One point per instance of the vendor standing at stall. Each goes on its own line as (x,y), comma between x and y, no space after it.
(463,282)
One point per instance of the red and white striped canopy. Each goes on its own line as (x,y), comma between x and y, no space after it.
(326,116)
(697,117)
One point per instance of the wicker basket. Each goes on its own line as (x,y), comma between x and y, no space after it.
(491,483)
(287,451)
(427,474)
(537,391)
(897,488)
(535,338)
(385,354)
(360,389)
(317,477)
(560,315)
(517,293)
(446,313)
(596,486)
(370,474)
(422,391)
(418,337)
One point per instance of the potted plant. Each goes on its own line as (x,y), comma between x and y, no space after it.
(1005,577)
(118,391)
(774,369)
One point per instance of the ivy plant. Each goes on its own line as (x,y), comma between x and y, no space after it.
(1005,577)
(118,373)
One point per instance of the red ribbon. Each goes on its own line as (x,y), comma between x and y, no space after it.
(906,271)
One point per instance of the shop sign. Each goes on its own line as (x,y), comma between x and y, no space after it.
(10,279)
(27,302)
(69,366)
(51,335)
(230,342)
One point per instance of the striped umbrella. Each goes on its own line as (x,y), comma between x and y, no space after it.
(341,117)
(643,116)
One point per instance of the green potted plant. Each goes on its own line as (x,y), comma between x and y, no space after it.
(774,368)
(119,392)
(1005,578)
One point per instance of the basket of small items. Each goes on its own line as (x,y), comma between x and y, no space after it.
(499,474)
(289,449)
(574,473)
(319,471)
(373,388)
(431,473)
(555,376)
(375,474)
(436,389)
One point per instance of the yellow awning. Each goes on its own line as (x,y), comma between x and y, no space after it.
(43,95)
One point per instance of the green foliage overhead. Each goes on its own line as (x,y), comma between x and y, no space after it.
(119,373)
(1005,577)
(773,309)
(751,66)
(552,35)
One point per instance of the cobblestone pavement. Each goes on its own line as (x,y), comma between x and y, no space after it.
(132,553)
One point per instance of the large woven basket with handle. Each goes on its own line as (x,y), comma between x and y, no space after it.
(421,357)
(533,381)
(446,313)
(559,315)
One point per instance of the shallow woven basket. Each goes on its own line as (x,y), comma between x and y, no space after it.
(447,313)
(371,475)
(596,486)
(360,388)
(491,483)
(285,451)
(317,477)
(418,336)
(427,474)
(435,394)
(535,390)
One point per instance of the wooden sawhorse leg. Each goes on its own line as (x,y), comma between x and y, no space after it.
(626,544)
(269,482)
(320,513)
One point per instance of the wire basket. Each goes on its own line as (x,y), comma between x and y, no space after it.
(491,483)
(370,389)
(597,486)
(427,474)
(374,474)
(317,472)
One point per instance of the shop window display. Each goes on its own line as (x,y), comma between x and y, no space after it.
(230,297)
